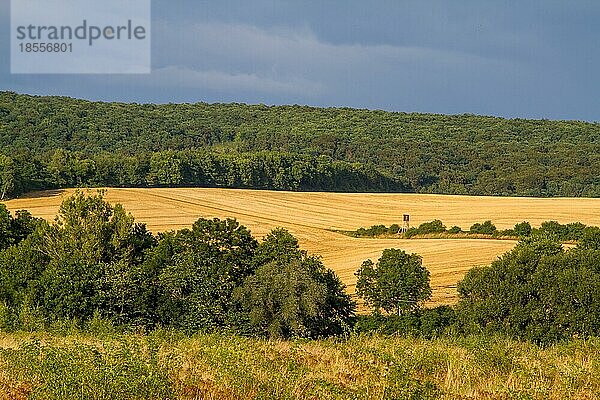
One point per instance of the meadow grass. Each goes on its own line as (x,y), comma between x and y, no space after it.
(169,365)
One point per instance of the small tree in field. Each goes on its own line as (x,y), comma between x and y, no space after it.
(397,283)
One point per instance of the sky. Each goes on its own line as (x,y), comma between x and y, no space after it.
(508,58)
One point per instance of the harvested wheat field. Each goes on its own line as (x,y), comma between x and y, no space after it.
(309,216)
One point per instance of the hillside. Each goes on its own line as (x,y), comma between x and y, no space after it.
(55,142)
(309,216)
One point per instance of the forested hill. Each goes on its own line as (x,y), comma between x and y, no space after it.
(51,142)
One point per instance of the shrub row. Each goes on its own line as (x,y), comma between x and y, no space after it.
(574,232)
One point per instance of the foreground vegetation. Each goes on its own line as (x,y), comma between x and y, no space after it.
(94,262)
(202,313)
(53,142)
(168,365)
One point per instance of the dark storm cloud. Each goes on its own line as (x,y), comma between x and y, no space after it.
(534,59)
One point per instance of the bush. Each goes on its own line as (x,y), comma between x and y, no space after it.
(553,228)
(506,233)
(487,228)
(394,229)
(427,322)
(523,229)
(590,239)
(435,226)
(455,230)
(537,291)
(378,230)
(411,232)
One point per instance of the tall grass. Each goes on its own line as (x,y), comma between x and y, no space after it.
(168,365)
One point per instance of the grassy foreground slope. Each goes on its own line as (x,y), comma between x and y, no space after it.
(168,366)
(310,216)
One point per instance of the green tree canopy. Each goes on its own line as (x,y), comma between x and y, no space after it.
(281,297)
(487,228)
(292,293)
(590,238)
(398,282)
(198,271)
(94,260)
(523,229)
(537,291)
(93,250)
(52,142)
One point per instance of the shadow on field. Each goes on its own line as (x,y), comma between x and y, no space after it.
(42,193)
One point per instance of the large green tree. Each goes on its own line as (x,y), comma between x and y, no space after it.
(92,252)
(397,283)
(198,270)
(537,291)
(292,293)
(281,298)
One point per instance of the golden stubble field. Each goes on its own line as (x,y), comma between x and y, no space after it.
(309,216)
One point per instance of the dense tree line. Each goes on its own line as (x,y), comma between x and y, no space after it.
(138,145)
(261,170)
(571,232)
(266,170)
(96,262)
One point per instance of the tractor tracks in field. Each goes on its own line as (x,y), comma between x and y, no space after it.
(235,212)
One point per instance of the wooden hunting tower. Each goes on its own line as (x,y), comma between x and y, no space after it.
(406,223)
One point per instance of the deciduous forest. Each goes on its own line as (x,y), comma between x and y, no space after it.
(54,142)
